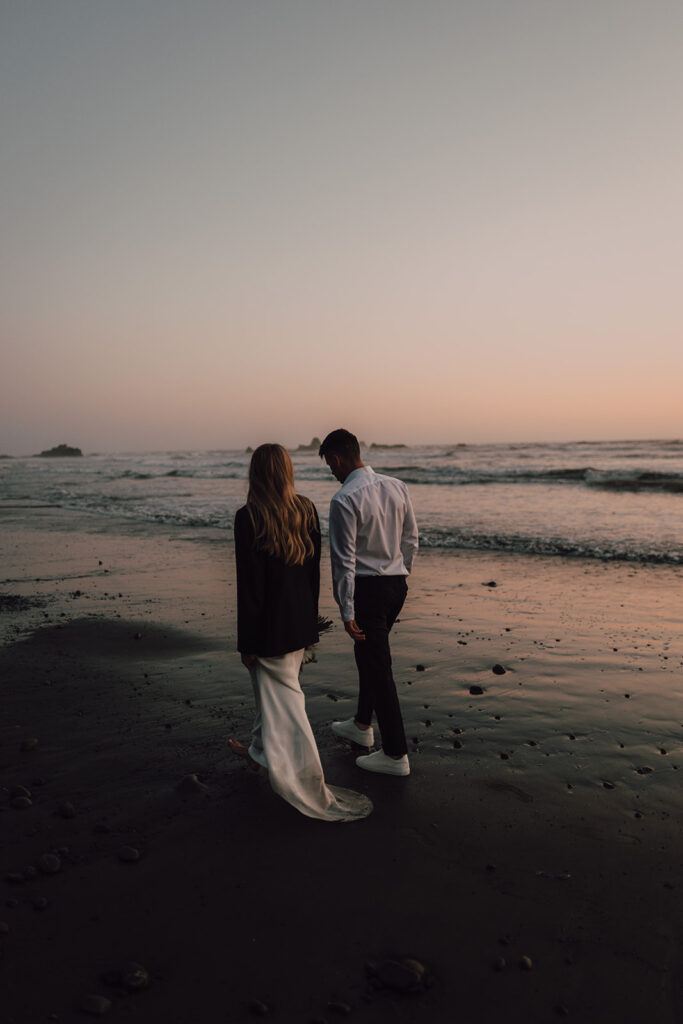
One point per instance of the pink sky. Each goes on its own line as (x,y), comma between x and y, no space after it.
(428,222)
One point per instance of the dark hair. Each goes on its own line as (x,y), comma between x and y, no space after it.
(340,442)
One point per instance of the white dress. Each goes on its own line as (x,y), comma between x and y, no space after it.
(283,742)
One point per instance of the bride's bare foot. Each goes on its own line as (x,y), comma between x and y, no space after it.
(241,751)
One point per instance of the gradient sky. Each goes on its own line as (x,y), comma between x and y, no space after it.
(248,220)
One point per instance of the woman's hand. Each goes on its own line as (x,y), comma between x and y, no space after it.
(249,660)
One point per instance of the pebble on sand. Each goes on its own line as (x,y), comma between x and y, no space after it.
(499,964)
(498,670)
(191,784)
(66,809)
(19,791)
(476,691)
(134,976)
(129,855)
(50,864)
(96,1005)
(526,963)
(406,975)
(21,803)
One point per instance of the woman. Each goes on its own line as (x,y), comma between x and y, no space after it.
(277,550)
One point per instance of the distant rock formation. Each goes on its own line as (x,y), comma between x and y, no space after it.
(6,456)
(312,447)
(60,451)
(373,445)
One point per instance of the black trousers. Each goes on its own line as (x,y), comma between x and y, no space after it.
(378,600)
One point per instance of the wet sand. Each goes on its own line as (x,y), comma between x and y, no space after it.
(541,819)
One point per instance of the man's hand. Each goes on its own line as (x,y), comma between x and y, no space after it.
(354,631)
(249,660)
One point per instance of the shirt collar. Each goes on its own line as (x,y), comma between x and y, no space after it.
(356,473)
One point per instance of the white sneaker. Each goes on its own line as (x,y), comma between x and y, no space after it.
(381,762)
(348,730)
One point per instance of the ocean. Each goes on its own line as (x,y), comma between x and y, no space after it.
(593,500)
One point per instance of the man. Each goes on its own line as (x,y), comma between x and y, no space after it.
(373,539)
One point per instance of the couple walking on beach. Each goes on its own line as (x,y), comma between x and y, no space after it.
(373,539)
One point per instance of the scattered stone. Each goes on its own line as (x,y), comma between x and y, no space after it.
(191,784)
(504,756)
(258,1008)
(21,803)
(332,696)
(476,691)
(498,670)
(29,744)
(16,791)
(526,963)
(491,583)
(66,809)
(419,668)
(609,785)
(129,855)
(401,975)
(457,744)
(96,1005)
(134,977)
(645,770)
(499,964)
(49,864)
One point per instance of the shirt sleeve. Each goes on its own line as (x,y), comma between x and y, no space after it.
(409,537)
(343,527)
(251,586)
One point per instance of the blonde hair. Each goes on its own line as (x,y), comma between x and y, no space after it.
(283,520)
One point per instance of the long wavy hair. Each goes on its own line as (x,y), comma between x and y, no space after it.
(283,520)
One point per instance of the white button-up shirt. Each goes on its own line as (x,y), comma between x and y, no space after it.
(372,532)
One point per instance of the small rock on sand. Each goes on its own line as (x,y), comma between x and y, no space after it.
(499,964)
(476,691)
(526,963)
(21,803)
(16,791)
(191,784)
(66,809)
(498,670)
(343,1009)
(405,975)
(134,976)
(96,1005)
(49,864)
(129,855)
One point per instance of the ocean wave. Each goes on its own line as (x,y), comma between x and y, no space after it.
(612,480)
(521,544)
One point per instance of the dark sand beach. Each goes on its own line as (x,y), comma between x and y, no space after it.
(541,819)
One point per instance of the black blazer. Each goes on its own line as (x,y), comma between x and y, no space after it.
(277,604)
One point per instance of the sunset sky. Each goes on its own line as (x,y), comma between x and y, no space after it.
(230,221)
